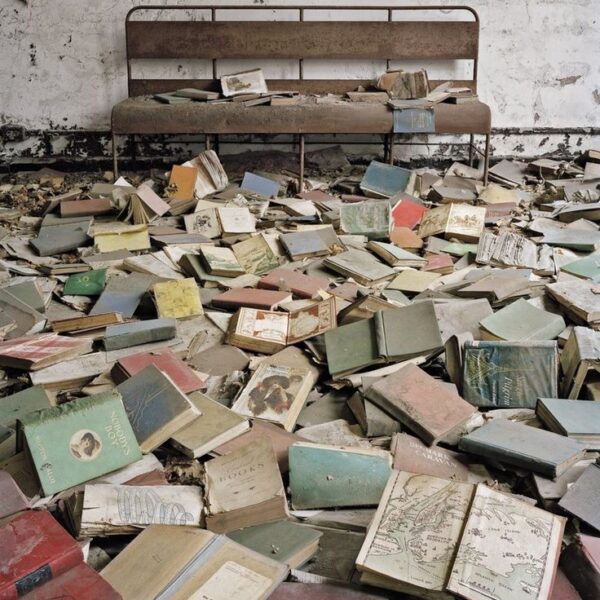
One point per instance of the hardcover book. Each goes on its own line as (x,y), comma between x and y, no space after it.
(363,267)
(396,256)
(301,285)
(304,244)
(463,221)
(178,299)
(182,182)
(236,220)
(580,355)
(581,498)
(255,255)
(383,181)
(136,333)
(251,298)
(371,219)
(205,222)
(221,261)
(79,440)
(123,294)
(16,406)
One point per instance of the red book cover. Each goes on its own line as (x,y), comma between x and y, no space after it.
(251,298)
(34,549)
(164,360)
(407,214)
(35,349)
(298,283)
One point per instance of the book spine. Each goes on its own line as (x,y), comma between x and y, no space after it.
(137,338)
(380,334)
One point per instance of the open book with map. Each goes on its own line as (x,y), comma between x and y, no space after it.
(434,538)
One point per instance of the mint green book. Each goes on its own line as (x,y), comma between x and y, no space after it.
(587,267)
(16,406)
(89,283)
(330,477)
(80,440)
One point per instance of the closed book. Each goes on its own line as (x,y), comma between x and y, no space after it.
(84,208)
(194,563)
(509,374)
(392,554)
(490,558)
(577,419)
(425,405)
(119,236)
(371,219)
(182,182)
(395,256)
(283,541)
(236,219)
(137,333)
(244,488)
(363,267)
(177,299)
(79,583)
(34,549)
(166,361)
(325,476)
(89,283)
(301,285)
(383,181)
(156,407)
(263,186)
(16,406)
(86,323)
(581,563)
(12,499)
(537,450)
(123,294)
(61,238)
(406,212)
(303,244)
(521,321)
(255,255)
(221,261)
(214,426)
(252,298)
(29,293)
(580,355)
(79,440)
(581,499)
(411,281)
(454,220)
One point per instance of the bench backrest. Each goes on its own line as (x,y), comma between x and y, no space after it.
(214,40)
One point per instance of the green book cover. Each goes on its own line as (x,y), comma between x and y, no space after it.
(29,293)
(280,541)
(16,406)
(509,374)
(89,283)
(371,219)
(329,477)
(79,440)
(587,267)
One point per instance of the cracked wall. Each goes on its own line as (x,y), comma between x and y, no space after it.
(63,67)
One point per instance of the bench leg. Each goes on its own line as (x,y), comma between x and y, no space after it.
(207,141)
(385,147)
(391,149)
(114,157)
(301,161)
(486,159)
(471,141)
(217,149)
(133,153)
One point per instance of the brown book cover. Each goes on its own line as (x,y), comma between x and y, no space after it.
(85,208)
(301,285)
(425,405)
(252,298)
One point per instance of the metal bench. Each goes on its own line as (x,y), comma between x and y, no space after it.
(215,40)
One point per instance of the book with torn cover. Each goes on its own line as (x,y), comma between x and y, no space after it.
(276,394)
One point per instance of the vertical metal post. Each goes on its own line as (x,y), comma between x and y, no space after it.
(213,12)
(391,149)
(301,60)
(301,160)
(385,147)
(486,159)
(114,157)
(471,141)
(387,61)
(207,141)
(133,153)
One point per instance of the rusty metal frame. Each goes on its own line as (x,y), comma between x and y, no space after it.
(388,139)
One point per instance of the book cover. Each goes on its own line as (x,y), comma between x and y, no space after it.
(361,266)
(178,299)
(252,298)
(16,406)
(90,283)
(79,440)
(301,285)
(123,294)
(255,255)
(581,498)
(370,218)
(136,333)
(182,182)
(236,220)
(303,244)
(577,419)
(383,181)
(204,222)
(221,261)
(509,374)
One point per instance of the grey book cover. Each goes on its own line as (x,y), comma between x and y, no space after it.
(123,294)
(581,498)
(126,335)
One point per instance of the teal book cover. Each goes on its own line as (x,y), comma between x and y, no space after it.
(328,477)
(509,374)
(80,440)
(383,181)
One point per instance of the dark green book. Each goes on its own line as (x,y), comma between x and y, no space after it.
(509,374)
(89,283)
(136,333)
(156,407)
(577,419)
(16,406)
(282,541)
(79,440)
(537,450)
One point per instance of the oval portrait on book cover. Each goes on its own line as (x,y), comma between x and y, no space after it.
(85,445)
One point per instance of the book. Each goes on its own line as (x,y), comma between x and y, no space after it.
(255,255)
(244,488)
(38,351)
(182,182)
(403,237)
(252,298)
(12,499)
(269,331)
(395,256)
(509,374)
(371,219)
(323,476)
(136,333)
(166,361)
(34,549)
(145,206)
(578,300)
(123,295)
(79,440)
(363,267)
(220,360)
(586,268)
(580,561)
(29,293)
(577,419)
(581,498)
(244,82)
(205,222)
(205,565)
(301,285)
(412,281)
(383,181)
(276,394)
(422,403)
(87,323)
(15,406)
(537,450)
(214,426)
(89,283)
(20,317)
(112,509)
(177,299)
(407,212)
(283,541)
(211,176)
(85,208)
(462,221)
(257,184)
(404,551)
(155,406)
(521,321)
(221,261)
(488,558)
(580,355)
(59,239)
(304,244)
(119,236)
(237,219)
(352,347)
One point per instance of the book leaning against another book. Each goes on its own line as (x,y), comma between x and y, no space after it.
(432,538)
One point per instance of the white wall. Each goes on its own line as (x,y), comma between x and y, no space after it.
(62,66)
